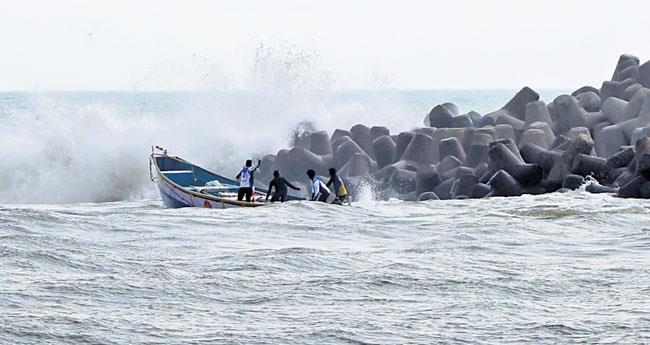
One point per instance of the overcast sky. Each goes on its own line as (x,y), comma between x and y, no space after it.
(460,44)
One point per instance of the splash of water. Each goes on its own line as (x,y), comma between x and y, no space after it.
(93,147)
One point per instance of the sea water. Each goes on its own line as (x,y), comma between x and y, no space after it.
(88,255)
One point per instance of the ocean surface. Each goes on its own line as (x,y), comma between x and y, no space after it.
(88,255)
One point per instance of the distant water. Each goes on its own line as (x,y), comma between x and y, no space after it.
(77,269)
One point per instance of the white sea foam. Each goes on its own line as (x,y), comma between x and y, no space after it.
(93,147)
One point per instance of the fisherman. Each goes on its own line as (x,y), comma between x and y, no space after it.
(319,191)
(280,184)
(339,188)
(247,180)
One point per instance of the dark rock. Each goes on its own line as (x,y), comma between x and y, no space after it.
(462,121)
(639,133)
(583,144)
(403,141)
(359,165)
(476,118)
(299,160)
(388,194)
(403,181)
(526,174)
(452,107)
(644,190)
(585,89)
(572,181)
(642,157)
(644,74)
(597,188)
(339,133)
(624,61)
(610,89)
(426,181)
(501,157)
(481,170)
(268,162)
(483,136)
(408,197)
(478,153)
(632,189)
(609,140)
(567,114)
(544,158)
(319,143)
(464,186)
(384,149)
(510,144)
(487,121)
(505,131)
(589,101)
(480,190)
(635,104)
(440,116)
(551,186)
(451,147)
(585,165)
(630,91)
(503,184)
(449,163)
(444,189)
(383,175)
(537,111)
(517,105)
(550,136)
(428,196)
(345,150)
(361,135)
(419,150)
(378,131)
(511,121)
(615,110)
(624,176)
(534,190)
(534,136)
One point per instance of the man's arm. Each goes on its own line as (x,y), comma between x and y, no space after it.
(291,186)
(330,182)
(257,166)
(238,175)
(314,190)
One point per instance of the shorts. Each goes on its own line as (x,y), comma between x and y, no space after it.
(245,192)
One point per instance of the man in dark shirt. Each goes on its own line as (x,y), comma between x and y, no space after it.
(280,185)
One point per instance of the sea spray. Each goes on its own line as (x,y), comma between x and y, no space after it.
(93,147)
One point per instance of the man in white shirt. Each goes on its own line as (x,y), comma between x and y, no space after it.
(319,191)
(246,177)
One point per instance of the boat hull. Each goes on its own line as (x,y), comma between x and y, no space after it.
(175,198)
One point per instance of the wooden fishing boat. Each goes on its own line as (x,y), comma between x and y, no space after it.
(183,184)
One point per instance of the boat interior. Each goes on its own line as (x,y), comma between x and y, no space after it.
(195,178)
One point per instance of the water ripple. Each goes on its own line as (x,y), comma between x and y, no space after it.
(555,268)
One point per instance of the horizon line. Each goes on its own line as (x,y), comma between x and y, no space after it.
(265,89)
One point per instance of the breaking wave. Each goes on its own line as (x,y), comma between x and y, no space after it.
(93,146)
